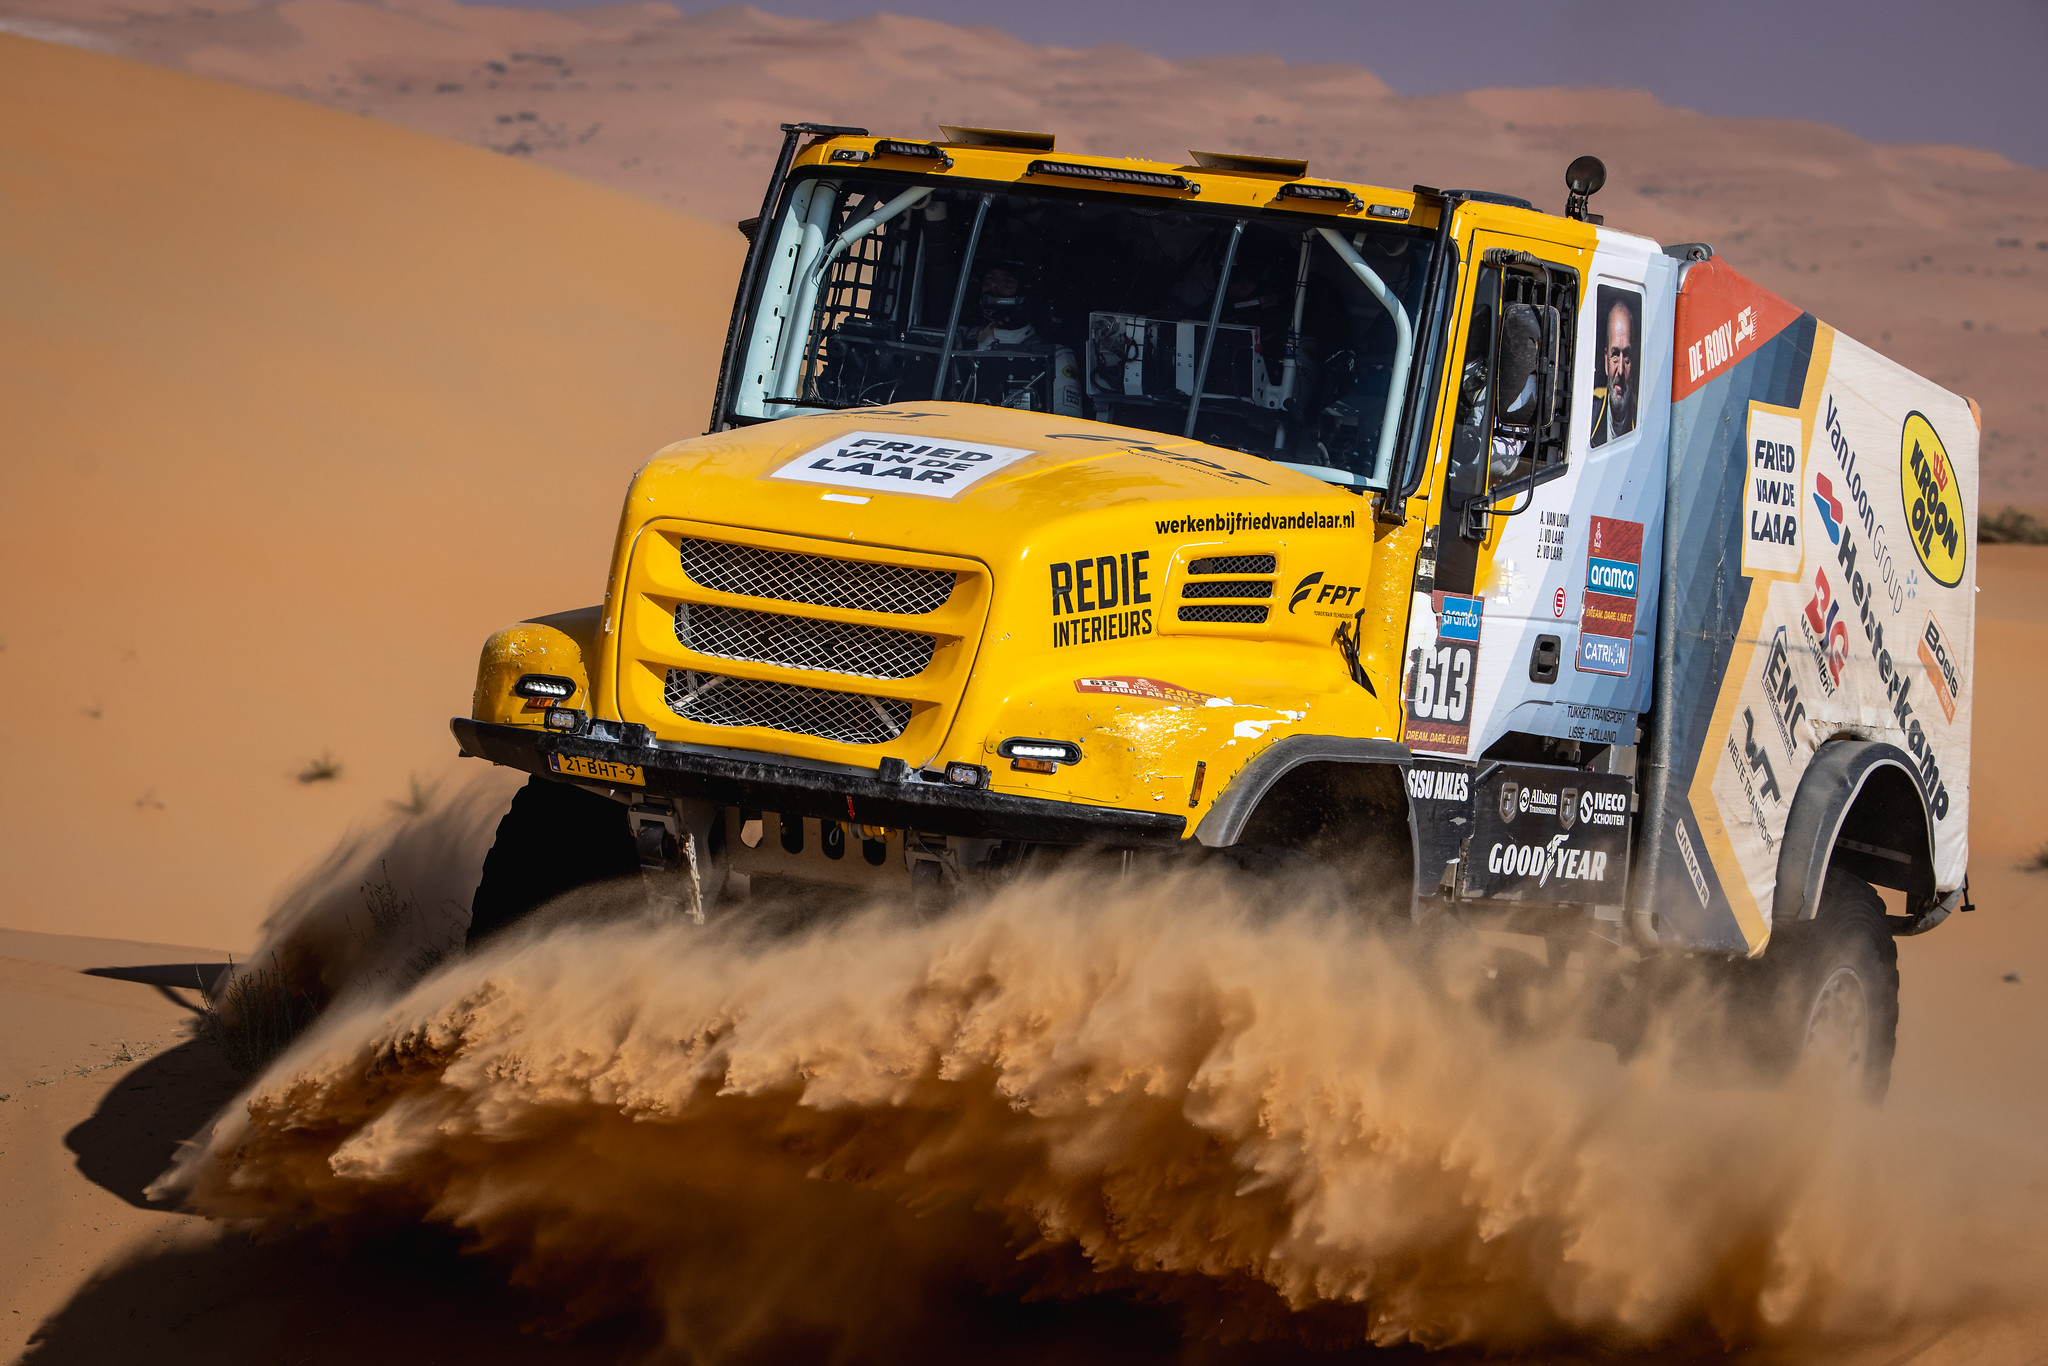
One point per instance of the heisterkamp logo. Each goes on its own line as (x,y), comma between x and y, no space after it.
(1934,502)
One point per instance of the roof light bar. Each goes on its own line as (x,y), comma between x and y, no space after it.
(891,147)
(1119,175)
(1334,193)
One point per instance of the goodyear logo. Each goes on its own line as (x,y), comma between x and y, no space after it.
(1611,576)
(1934,502)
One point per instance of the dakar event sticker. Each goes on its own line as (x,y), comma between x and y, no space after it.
(1441,676)
(1150,689)
(887,462)
(1607,609)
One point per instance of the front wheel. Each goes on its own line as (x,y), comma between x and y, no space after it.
(557,837)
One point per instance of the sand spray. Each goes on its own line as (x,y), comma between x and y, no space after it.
(1086,1084)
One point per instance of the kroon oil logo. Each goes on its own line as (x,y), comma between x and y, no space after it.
(1934,501)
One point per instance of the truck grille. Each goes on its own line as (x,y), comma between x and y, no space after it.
(1225,612)
(1234,564)
(818,580)
(851,718)
(1228,588)
(839,647)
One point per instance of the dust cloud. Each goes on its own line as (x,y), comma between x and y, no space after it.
(1285,1126)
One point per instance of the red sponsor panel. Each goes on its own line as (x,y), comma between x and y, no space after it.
(1722,317)
(1604,614)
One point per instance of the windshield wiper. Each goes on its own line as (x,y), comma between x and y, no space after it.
(823,402)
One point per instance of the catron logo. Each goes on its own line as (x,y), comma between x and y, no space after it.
(1934,501)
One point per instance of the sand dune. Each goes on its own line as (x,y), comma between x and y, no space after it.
(1937,255)
(300,406)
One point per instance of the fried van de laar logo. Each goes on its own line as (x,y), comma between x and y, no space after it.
(889,462)
(1934,501)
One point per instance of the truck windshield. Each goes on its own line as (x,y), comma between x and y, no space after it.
(1266,334)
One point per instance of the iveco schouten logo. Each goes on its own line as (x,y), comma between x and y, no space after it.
(1301,590)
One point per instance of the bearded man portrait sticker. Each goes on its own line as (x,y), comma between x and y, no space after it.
(1618,328)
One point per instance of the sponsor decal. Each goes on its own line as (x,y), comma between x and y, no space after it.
(1607,608)
(1857,501)
(1753,770)
(1600,725)
(1336,594)
(1557,602)
(1440,784)
(1230,523)
(1782,692)
(1827,635)
(1545,861)
(1721,319)
(1096,598)
(1544,842)
(1934,501)
(1897,681)
(1691,861)
(1552,531)
(1150,689)
(1830,508)
(1770,494)
(1441,676)
(888,462)
(1941,668)
(1603,808)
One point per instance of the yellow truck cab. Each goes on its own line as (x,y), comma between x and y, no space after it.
(1488,558)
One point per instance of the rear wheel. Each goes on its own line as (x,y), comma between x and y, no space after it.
(1834,992)
(557,837)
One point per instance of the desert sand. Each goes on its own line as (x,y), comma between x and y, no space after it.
(302,404)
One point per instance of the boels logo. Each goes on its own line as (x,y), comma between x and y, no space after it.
(1934,502)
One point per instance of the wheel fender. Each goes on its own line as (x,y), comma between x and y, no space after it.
(1841,771)
(1234,806)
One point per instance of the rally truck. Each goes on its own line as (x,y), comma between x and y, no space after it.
(1511,567)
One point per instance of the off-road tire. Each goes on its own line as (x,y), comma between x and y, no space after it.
(1831,1010)
(556,838)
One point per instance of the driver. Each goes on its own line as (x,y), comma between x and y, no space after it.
(1007,325)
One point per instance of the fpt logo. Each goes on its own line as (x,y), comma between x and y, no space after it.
(1934,501)
(1830,507)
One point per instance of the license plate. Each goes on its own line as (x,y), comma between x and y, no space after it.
(601,770)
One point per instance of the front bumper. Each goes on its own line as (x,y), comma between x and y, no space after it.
(802,787)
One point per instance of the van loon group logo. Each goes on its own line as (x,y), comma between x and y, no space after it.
(1830,508)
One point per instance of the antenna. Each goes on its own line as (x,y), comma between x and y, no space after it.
(1583,178)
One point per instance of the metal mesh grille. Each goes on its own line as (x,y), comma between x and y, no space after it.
(1235,564)
(820,580)
(1228,588)
(852,718)
(1250,616)
(803,642)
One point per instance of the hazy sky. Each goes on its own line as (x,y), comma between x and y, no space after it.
(1963,71)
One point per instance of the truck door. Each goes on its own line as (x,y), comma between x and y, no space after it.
(1547,541)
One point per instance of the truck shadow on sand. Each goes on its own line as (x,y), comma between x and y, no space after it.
(134,1134)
